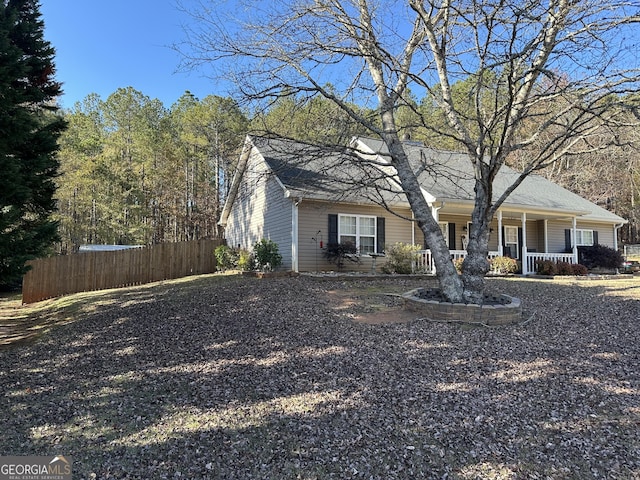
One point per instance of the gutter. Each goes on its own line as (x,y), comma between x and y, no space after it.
(615,233)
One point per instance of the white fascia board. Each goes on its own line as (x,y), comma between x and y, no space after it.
(427,196)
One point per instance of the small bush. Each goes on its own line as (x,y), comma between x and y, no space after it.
(400,258)
(458,264)
(266,255)
(503,265)
(564,268)
(245,260)
(546,267)
(338,252)
(579,269)
(549,267)
(226,257)
(600,256)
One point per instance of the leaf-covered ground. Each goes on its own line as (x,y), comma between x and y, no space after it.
(226,377)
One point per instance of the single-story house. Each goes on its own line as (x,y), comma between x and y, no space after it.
(304,197)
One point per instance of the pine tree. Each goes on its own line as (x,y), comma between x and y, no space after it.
(29,129)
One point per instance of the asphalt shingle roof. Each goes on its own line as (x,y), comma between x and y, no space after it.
(332,174)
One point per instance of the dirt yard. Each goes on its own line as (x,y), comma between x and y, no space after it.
(227,377)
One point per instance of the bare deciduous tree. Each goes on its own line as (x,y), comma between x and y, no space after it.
(522,57)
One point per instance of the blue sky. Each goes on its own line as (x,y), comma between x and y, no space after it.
(104,45)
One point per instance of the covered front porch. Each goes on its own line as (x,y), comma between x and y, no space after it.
(424,262)
(527,237)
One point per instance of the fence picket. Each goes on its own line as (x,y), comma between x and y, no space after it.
(87,271)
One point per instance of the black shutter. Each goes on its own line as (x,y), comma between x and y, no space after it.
(452,236)
(380,235)
(595,237)
(567,240)
(333,229)
(520,244)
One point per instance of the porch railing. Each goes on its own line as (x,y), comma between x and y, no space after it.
(531,259)
(425,263)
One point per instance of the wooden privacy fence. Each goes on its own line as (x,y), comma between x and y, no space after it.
(87,271)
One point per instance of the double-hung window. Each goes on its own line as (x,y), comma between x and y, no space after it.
(511,240)
(359,230)
(584,237)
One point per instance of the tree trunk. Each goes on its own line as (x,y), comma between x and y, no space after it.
(476,265)
(451,285)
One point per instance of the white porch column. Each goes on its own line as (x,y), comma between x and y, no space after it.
(573,240)
(413,229)
(524,244)
(546,236)
(500,239)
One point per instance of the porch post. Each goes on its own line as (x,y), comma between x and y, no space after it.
(500,248)
(575,236)
(524,244)
(413,228)
(546,236)
(436,216)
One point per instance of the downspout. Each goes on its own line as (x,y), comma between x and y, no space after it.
(434,211)
(615,234)
(294,234)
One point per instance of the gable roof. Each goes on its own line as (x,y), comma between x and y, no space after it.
(334,174)
(326,173)
(448,176)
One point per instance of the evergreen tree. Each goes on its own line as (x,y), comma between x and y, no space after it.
(29,129)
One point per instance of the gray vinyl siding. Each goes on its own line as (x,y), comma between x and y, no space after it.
(261,211)
(605,232)
(556,233)
(313,217)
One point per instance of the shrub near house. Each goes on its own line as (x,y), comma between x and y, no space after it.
(550,267)
(497,265)
(600,256)
(226,257)
(401,258)
(265,256)
(503,265)
(592,258)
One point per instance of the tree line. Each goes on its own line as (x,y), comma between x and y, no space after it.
(135,172)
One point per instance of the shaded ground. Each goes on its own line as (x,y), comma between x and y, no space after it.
(240,378)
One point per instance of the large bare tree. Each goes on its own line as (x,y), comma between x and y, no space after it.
(544,73)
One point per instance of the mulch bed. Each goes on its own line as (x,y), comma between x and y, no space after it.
(436,295)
